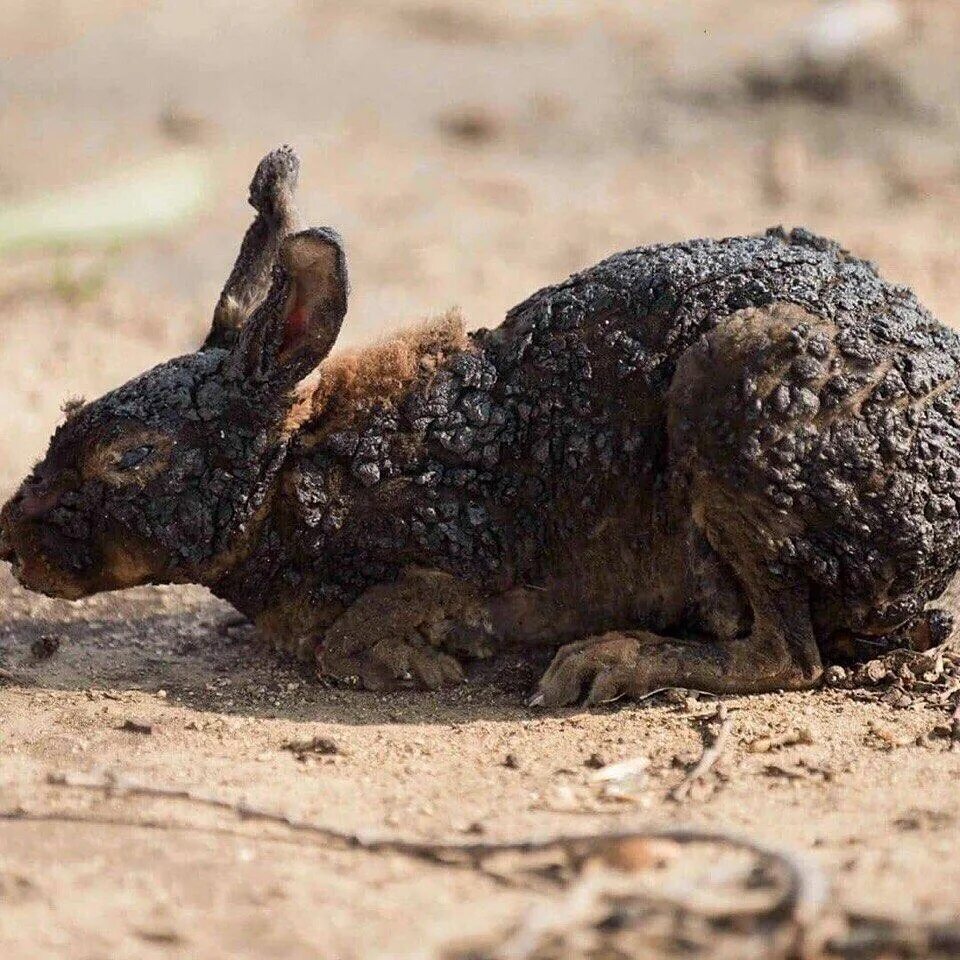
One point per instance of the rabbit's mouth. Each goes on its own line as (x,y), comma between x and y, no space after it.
(34,574)
(49,559)
(21,547)
(36,570)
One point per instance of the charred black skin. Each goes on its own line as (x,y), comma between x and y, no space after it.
(183,507)
(497,467)
(710,459)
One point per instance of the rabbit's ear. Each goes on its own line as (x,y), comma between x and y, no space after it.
(271,195)
(297,325)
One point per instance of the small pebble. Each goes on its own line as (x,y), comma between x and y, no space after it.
(835,676)
(875,671)
(318,746)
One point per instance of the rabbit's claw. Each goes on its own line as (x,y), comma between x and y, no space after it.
(597,670)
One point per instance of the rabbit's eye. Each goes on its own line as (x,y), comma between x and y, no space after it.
(133,458)
(128,460)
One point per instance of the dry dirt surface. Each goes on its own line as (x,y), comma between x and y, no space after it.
(469,152)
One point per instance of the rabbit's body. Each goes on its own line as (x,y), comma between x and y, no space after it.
(701,463)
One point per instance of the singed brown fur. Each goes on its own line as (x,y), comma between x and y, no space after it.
(354,379)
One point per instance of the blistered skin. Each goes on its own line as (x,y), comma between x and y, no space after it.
(513,459)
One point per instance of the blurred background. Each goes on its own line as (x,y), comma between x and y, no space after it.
(469,151)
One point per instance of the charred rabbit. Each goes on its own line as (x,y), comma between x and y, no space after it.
(702,464)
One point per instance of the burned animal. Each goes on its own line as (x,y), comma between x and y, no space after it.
(704,464)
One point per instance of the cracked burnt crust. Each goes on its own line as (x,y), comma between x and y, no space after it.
(492,462)
(649,445)
(206,489)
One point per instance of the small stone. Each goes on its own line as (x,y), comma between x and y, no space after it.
(835,676)
(875,671)
(639,853)
(896,698)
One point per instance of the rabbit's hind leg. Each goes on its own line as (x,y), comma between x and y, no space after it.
(407,633)
(779,651)
(633,663)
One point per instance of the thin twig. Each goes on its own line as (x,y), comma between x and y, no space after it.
(801,905)
(801,901)
(547,921)
(579,846)
(872,936)
(712,751)
(20,815)
(775,741)
(944,695)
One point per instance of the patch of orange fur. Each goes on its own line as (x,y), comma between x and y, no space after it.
(351,381)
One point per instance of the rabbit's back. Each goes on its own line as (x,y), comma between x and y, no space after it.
(823,396)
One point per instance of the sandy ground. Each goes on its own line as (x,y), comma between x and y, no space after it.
(469,152)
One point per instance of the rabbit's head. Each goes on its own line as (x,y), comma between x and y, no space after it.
(165,478)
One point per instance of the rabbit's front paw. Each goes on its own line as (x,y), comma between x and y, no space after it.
(392,664)
(396,634)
